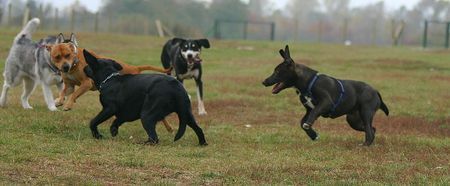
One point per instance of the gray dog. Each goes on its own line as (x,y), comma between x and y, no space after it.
(328,97)
(29,62)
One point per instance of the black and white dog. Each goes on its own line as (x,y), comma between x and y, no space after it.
(328,97)
(184,57)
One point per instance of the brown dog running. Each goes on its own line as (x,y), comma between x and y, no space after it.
(69,59)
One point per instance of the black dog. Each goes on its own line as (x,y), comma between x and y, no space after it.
(328,97)
(149,97)
(184,56)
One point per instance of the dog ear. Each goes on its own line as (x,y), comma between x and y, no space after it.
(48,47)
(117,66)
(73,39)
(60,38)
(177,40)
(88,71)
(203,43)
(90,59)
(283,55)
(288,54)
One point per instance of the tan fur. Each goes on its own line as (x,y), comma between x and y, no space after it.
(65,53)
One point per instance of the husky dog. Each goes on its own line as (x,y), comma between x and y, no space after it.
(29,62)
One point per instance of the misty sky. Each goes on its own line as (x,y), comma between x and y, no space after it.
(94,5)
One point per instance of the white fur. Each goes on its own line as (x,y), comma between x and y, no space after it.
(201,106)
(29,79)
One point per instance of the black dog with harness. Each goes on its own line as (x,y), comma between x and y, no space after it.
(328,97)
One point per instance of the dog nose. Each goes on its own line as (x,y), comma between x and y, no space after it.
(189,56)
(264,83)
(66,67)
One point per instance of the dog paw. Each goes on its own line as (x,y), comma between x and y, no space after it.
(316,138)
(202,113)
(306,126)
(203,144)
(114,131)
(53,108)
(67,108)
(97,135)
(151,142)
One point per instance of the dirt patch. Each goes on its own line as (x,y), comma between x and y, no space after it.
(440,78)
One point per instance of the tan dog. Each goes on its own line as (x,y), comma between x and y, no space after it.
(69,59)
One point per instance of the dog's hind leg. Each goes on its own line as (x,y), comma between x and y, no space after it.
(167,125)
(310,132)
(114,129)
(48,96)
(367,117)
(149,124)
(189,119)
(355,121)
(28,87)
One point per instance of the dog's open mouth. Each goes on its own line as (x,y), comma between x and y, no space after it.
(195,60)
(277,88)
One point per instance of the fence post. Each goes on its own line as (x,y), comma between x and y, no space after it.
(56,19)
(26,16)
(72,20)
(425,30)
(245,29)
(9,14)
(272,31)
(216,29)
(96,23)
(447,35)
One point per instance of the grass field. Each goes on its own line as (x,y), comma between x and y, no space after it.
(254,137)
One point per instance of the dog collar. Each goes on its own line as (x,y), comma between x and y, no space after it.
(107,78)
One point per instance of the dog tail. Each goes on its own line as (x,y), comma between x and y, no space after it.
(28,29)
(182,127)
(383,106)
(153,68)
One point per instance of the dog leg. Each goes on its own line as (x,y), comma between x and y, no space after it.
(201,106)
(367,117)
(48,97)
(310,132)
(149,124)
(355,121)
(167,125)
(62,94)
(3,99)
(317,111)
(100,118)
(28,87)
(84,87)
(114,129)
(188,119)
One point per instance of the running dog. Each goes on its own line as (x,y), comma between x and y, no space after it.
(29,62)
(149,97)
(326,96)
(184,56)
(69,59)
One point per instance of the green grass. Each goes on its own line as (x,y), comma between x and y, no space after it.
(412,145)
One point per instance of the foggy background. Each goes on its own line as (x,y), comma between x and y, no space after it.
(362,22)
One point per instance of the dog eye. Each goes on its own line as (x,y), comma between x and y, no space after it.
(185,46)
(58,57)
(67,56)
(193,45)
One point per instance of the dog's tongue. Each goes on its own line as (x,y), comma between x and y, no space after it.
(277,88)
(195,60)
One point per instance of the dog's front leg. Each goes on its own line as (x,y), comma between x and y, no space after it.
(318,110)
(62,94)
(48,96)
(100,118)
(310,132)
(201,106)
(84,87)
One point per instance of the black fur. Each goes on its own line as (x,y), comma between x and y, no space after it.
(171,56)
(149,97)
(359,102)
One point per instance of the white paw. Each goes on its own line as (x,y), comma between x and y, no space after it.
(27,107)
(202,112)
(53,108)
(317,137)
(306,126)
